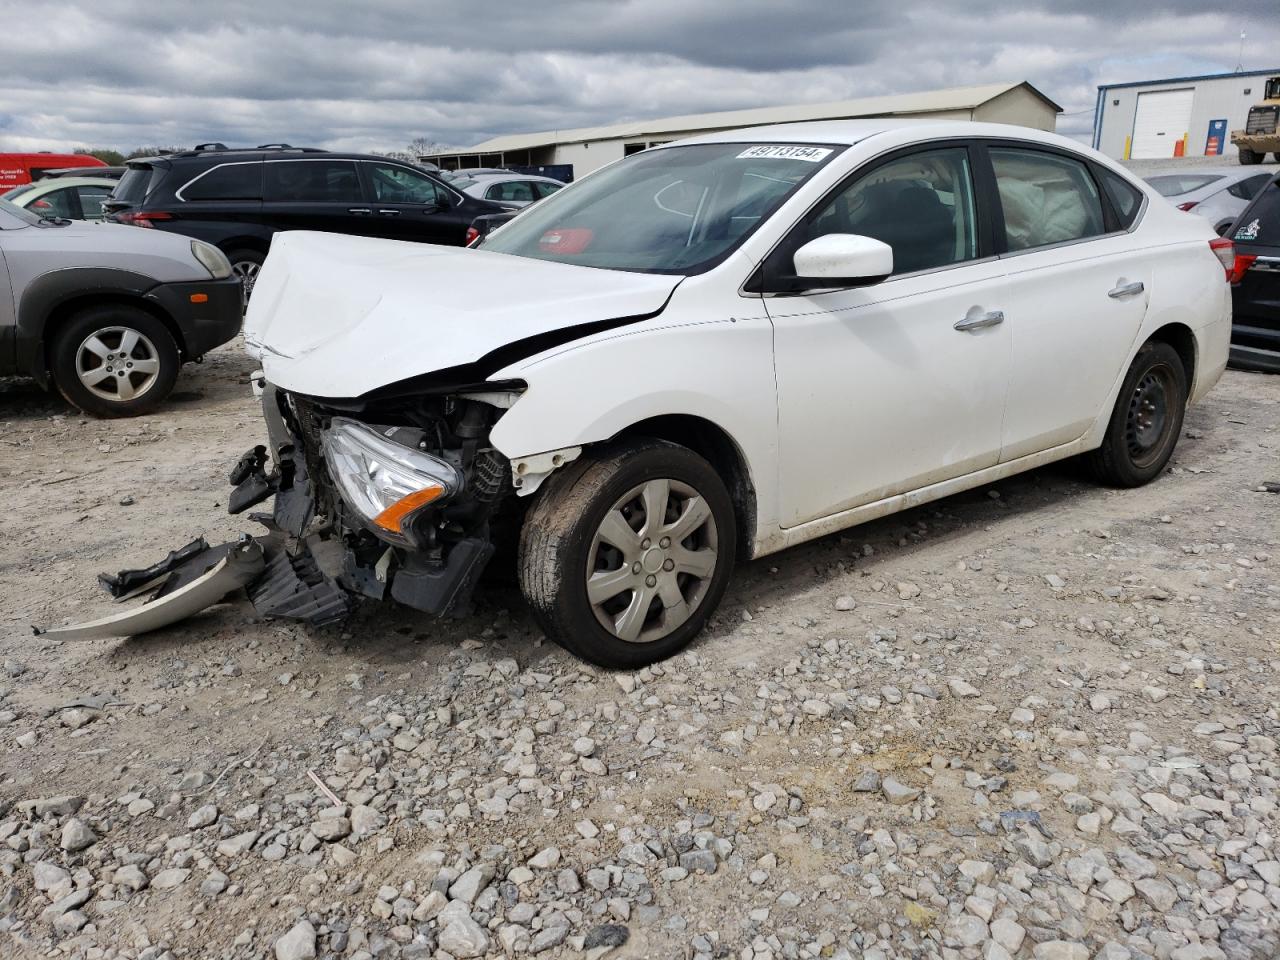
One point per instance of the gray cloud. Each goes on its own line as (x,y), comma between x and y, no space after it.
(373,76)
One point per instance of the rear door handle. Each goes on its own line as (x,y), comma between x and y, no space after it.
(358,210)
(974,320)
(390,213)
(1126,290)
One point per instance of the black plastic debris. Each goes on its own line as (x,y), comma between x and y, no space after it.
(129,582)
(294,587)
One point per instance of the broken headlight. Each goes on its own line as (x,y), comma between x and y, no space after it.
(386,483)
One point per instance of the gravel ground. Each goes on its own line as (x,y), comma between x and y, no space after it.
(1037,720)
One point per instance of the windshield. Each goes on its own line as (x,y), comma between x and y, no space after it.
(18,191)
(26,216)
(1176,184)
(671,210)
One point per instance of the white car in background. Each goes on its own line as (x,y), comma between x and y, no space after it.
(1218,195)
(512,189)
(73,198)
(716,349)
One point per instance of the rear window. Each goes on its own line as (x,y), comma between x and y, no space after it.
(1260,222)
(230,181)
(311,181)
(135,184)
(17,191)
(1176,184)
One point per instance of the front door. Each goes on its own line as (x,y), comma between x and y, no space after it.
(408,205)
(1078,292)
(892,387)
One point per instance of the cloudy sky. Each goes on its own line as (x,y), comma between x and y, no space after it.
(374,74)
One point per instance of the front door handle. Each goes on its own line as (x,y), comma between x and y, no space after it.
(1126,290)
(358,210)
(390,213)
(976,320)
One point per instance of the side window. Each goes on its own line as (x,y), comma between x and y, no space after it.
(920,205)
(57,203)
(1047,198)
(518,190)
(231,181)
(1248,188)
(91,201)
(396,184)
(1126,199)
(547,189)
(311,181)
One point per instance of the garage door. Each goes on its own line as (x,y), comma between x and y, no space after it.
(1162,119)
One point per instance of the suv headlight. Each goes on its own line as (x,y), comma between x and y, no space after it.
(385,482)
(212,259)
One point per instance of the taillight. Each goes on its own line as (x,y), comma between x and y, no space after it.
(1241,266)
(1225,251)
(141,218)
(1188,205)
(472,236)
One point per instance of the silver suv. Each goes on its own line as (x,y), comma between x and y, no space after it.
(107,313)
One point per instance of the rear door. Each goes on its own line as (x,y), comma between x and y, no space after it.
(315,193)
(1255,295)
(409,205)
(1078,290)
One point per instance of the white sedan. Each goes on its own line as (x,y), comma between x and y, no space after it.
(719,348)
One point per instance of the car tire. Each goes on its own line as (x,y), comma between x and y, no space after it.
(1147,419)
(245,264)
(1249,157)
(570,533)
(87,350)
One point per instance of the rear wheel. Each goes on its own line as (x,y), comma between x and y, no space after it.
(245,264)
(624,556)
(114,361)
(1249,157)
(1146,421)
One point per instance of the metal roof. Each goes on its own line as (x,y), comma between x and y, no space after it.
(1274,71)
(924,102)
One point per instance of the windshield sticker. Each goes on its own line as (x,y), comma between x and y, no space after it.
(808,154)
(1248,232)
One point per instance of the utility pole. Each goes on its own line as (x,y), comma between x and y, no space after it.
(1240,57)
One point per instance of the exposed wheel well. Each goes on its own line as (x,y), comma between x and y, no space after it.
(63,311)
(1180,337)
(715,446)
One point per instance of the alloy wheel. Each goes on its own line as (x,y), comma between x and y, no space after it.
(247,271)
(652,560)
(117,363)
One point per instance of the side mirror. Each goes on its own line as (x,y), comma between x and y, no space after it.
(843,260)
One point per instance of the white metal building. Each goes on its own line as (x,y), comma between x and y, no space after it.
(1181,116)
(589,148)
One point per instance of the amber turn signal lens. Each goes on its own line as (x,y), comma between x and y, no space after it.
(199,298)
(389,519)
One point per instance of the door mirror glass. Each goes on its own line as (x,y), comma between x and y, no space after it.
(843,260)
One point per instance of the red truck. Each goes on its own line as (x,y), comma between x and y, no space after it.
(19,168)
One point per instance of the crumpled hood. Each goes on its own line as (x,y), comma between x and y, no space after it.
(338,316)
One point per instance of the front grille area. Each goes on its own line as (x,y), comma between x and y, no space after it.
(1262,120)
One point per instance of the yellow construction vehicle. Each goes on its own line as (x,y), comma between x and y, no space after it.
(1261,134)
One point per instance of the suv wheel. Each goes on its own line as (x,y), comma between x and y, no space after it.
(1146,421)
(245,264)
(625,555)
(1249,157)
(114,361)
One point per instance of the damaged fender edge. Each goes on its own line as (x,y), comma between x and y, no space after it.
(527,473)
(244,563)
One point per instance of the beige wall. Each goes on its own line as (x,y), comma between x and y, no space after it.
(1019,106)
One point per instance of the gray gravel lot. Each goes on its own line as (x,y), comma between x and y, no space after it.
(1034,721)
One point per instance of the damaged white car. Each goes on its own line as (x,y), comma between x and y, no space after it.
(711,351)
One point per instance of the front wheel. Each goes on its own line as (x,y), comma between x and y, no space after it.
(114,361)
(1249,157)
(626,554)
(1146,421)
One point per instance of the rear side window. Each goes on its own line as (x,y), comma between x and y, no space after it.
(1248,188)
(91,201)
(1260,222)
(547,189)
(1047,198)
(518,190)
(230,181)
(311,181)
(1126,199)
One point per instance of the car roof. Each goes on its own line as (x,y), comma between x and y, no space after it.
(57,183)
(513,176)
(249,154)
(849,132)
